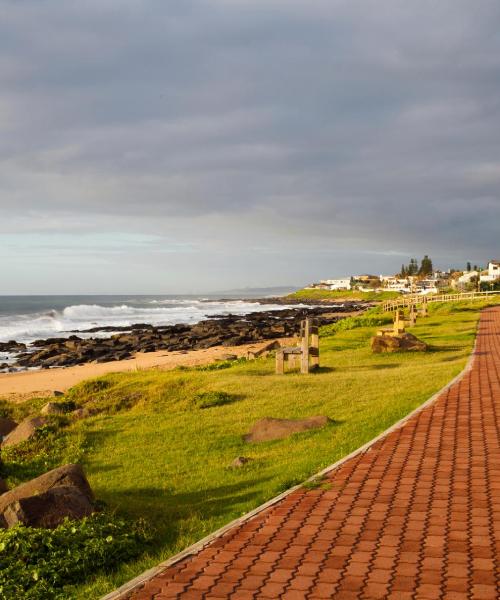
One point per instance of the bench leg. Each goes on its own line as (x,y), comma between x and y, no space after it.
(280,363)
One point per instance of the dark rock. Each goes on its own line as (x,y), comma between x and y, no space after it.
(57,394)
(24,431)
(274,429)
(220,330)
(240,461)
(52,408)
(48,499)
(6,426)
(404,342)
(48,509)
(12,346)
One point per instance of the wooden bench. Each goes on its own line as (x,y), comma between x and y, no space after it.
(306,354)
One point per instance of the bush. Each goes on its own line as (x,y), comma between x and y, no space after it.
(209,399)
(47,449)
(37,564)
(374,320)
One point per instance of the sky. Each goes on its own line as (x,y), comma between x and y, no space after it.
(197,145)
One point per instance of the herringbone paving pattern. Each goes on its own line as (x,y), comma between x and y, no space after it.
(415,517)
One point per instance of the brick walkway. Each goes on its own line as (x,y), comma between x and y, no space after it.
(416,517)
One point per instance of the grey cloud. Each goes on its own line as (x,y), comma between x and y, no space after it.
(287,126)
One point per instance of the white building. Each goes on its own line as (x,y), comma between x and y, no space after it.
(426,286)
(467,277)
(338,284)
(493,271)
(395,284)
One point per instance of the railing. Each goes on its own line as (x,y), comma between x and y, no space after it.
(415,299)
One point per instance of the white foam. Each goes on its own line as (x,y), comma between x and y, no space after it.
(28,327)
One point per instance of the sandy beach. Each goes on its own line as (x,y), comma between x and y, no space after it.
(17,387)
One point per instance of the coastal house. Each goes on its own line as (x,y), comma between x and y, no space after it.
(493,272)
(468,278)
(395,284)
(366,281)
(426,286)
(338,284)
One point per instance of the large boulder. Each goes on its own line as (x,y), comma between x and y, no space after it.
(48,509)
(53,408)
(275,429)
(48,499)
(6,426)
(404,342)
(24,431)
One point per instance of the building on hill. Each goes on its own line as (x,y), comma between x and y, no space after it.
(366,281)
(493,272)
(395,284)
(337,284)
(467,279)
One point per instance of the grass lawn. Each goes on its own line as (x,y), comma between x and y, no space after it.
(343,295)
(155,453)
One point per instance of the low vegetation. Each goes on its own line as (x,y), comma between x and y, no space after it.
(333,295)
(41,564)
(160,444)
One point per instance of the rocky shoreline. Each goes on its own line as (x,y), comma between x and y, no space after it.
(225,330)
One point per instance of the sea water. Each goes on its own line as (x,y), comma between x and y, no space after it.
(27,318)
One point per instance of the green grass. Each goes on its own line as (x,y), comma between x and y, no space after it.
(153,453)
(342,295)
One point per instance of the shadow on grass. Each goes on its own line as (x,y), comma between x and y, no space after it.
(436,349)
(168,512)
(373,367)
(319,370)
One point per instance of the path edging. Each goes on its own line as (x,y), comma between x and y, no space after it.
(128,587)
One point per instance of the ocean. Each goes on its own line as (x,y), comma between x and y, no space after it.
(27,318)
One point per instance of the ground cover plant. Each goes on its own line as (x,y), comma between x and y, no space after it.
(338,295)
(150,452)
(41,564)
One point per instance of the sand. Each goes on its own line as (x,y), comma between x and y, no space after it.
(17,387)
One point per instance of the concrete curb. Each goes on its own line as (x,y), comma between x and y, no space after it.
(198,546)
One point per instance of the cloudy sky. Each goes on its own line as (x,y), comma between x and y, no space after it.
(196,145)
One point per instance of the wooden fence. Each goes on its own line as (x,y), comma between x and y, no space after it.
(414,299)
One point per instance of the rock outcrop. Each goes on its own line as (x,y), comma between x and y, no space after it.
(274,429)
(47,500)
(53,408)
(24,431)
(225,330)
(6,426)
(403,342)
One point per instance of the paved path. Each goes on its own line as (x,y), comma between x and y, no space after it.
(416,517)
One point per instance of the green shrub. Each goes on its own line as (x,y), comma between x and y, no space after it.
(47,449)
(20,410)
(103,395)
(367,320)
(92,386)
(209,399)
(38,564)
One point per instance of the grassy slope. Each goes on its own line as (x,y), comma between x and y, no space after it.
(342,295)
(168,461)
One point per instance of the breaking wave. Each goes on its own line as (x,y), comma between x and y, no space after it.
(62,323)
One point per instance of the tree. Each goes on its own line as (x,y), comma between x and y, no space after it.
(469,268)
(413,267)
(426,267)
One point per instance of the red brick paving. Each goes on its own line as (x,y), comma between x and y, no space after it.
(415,517)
